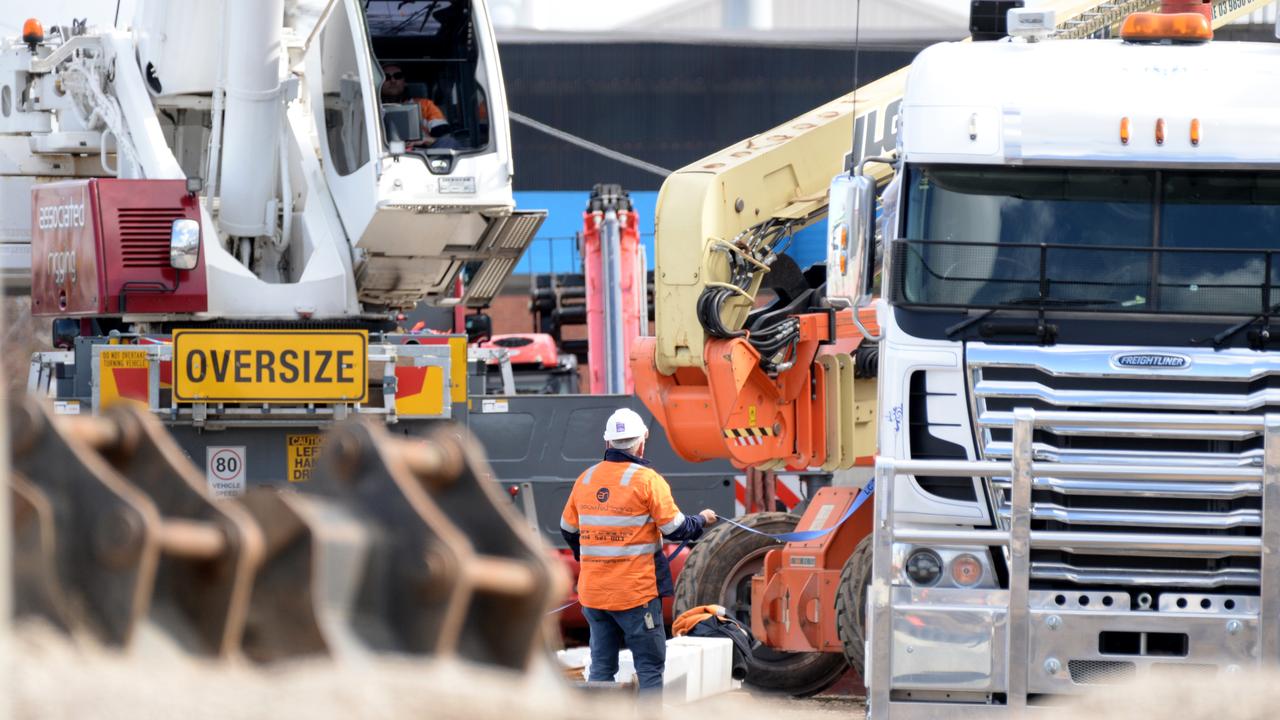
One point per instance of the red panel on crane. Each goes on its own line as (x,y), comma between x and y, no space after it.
(101,247)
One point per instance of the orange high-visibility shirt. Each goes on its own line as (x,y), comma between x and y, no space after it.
(621,510)
(431,113)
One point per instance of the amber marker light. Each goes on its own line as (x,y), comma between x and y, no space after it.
(1124,131)
(1195,132)
(32,32)
(1174,27)
(966,570)
(1160,131)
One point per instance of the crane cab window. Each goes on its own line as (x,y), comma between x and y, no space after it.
(428,66)
(345,126)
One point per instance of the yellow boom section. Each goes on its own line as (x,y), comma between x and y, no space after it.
(722,213)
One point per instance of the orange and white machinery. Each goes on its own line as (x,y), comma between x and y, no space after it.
(787,378)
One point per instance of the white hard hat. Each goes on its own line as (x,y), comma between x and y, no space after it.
(624,424)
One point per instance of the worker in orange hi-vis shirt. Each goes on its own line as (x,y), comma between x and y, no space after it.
(617,514)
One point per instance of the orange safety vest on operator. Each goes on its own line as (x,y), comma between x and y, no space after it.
(429,110)
(619,508)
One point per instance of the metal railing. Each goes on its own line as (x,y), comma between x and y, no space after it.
(553,255)
(559,254)
(1019,539)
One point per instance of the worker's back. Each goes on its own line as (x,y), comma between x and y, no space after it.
(619,507)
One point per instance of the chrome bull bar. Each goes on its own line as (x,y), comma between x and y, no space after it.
(1019,538)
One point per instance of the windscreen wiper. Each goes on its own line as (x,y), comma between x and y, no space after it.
(1040,330)
(1263,336)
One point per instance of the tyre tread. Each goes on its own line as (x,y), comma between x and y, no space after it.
(851,599)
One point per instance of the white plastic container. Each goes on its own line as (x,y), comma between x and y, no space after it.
(696,667)
(715,665)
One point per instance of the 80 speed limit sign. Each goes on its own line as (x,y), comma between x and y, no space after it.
(225,470)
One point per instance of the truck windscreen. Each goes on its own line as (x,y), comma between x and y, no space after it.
(1097,239)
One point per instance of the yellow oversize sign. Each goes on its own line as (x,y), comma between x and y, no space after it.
(322,366)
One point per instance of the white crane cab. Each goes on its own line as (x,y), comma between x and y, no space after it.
(411,117)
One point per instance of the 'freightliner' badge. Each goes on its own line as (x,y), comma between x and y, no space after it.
(1152,361)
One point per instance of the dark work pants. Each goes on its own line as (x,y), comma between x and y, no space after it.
(646,640)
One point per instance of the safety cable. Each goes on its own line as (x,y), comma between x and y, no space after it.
(857,52)
(588,145)
(807,535)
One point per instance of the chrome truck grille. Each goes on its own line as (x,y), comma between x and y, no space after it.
(1023,640)
(1199,479)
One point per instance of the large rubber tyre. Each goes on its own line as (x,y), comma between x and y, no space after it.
(851,603)
(718,571)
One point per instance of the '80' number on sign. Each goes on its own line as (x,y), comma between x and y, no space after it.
(225,471)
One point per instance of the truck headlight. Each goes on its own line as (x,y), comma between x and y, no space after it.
(184,244)
(924,567)
(963,568)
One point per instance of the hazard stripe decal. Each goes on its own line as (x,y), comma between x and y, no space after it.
(748,435)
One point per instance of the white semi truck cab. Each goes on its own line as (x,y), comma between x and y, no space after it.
(1079,470)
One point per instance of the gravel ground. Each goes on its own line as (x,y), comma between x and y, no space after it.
(53,677)
(1192,695)
(781,708)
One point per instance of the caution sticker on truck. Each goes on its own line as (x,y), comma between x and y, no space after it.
(122,376)
(263,366)
(302,453)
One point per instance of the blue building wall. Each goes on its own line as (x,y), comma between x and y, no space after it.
(555,248)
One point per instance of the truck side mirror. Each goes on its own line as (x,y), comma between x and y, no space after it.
(479,327)
(851,248)
(65,331)
(184,244)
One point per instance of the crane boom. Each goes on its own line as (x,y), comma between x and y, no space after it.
(754,192)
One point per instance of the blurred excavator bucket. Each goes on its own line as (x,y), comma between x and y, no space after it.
(396,545)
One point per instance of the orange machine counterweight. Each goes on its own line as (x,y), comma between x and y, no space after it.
(796,590)
(736,410)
